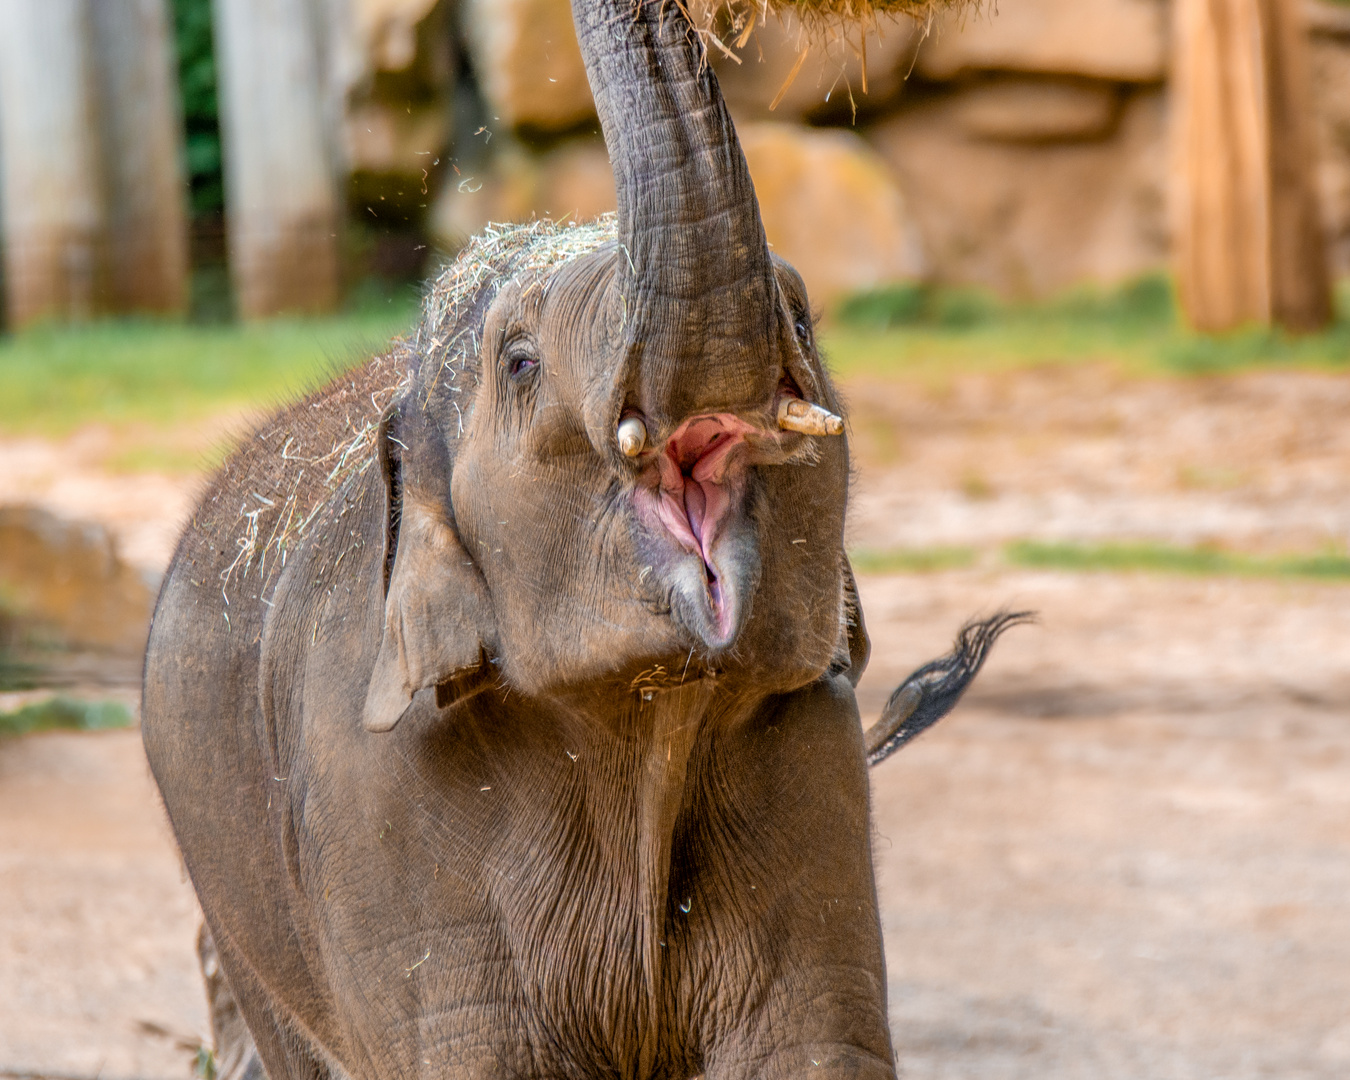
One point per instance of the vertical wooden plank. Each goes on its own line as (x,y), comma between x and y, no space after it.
(1223,241)
(54,226)
(1249,246)
(1301,293)
(141,125)
(281,190)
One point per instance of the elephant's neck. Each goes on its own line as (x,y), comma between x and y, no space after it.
(677,716)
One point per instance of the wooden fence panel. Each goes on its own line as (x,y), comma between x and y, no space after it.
(1249,246)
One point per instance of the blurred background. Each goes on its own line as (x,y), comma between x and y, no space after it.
(1082,269)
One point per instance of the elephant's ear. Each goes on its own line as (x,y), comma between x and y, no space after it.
(438,617)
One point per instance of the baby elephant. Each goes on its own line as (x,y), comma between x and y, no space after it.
(501,693)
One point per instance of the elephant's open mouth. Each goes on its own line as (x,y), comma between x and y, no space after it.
(700,478)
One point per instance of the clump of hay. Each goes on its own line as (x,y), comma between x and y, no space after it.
(861,11)
(829,27)
(448,337)
(740,17)
(499,253)
(305,461)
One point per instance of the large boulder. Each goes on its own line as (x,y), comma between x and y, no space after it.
(826,85)
(64,587)
(1029,218)
(529,64)
(1020,108)
(1124,40)
(831,208)
(386,31)
(1329,59)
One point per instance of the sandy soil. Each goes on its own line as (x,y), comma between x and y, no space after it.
(97,972)
(1259,462)
(1127,855)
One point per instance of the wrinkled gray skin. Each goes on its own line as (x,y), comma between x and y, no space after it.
(498,776)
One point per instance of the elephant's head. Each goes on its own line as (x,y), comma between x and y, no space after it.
(605,472)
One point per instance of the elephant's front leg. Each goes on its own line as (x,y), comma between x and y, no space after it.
(794,912)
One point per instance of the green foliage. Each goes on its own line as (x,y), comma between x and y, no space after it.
(14,674)
(65,714)
(911,560)
(17,675)
(1167,559)
(139,373)
(917,305)
(1119,558)
(1197,354)
(1146,301)
(201,111)
(908,329)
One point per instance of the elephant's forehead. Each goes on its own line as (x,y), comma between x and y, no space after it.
(499,254)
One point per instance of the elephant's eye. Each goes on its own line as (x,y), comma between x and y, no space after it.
(521,359)
(803,329)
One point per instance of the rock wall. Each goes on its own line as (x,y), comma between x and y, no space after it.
(71,610)
(1024,149)
(1330,60)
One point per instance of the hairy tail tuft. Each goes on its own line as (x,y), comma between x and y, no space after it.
(932,691)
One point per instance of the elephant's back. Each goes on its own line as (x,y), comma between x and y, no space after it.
(203,723)
(271,489)
(200,690)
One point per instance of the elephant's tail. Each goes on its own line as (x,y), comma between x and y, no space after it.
(932,691)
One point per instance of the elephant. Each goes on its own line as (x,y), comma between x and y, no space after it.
(501,692)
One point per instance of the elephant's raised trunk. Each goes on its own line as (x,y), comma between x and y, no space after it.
(695,280)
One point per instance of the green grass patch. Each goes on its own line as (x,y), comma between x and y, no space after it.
(914,330)
(155,384)
(912,560)
(1167,559)
(65,714)
(1131,557)
(128,373)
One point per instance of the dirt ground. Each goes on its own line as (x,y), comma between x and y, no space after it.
(1126,855)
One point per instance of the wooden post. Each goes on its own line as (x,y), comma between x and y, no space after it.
(1301,280)
(1249,242)
(54,225)
(140,118)
(281,191)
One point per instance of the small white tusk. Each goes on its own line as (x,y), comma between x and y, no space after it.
(632,436)
(794,414)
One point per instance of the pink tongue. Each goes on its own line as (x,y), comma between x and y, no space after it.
(692,505)
(695,506)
